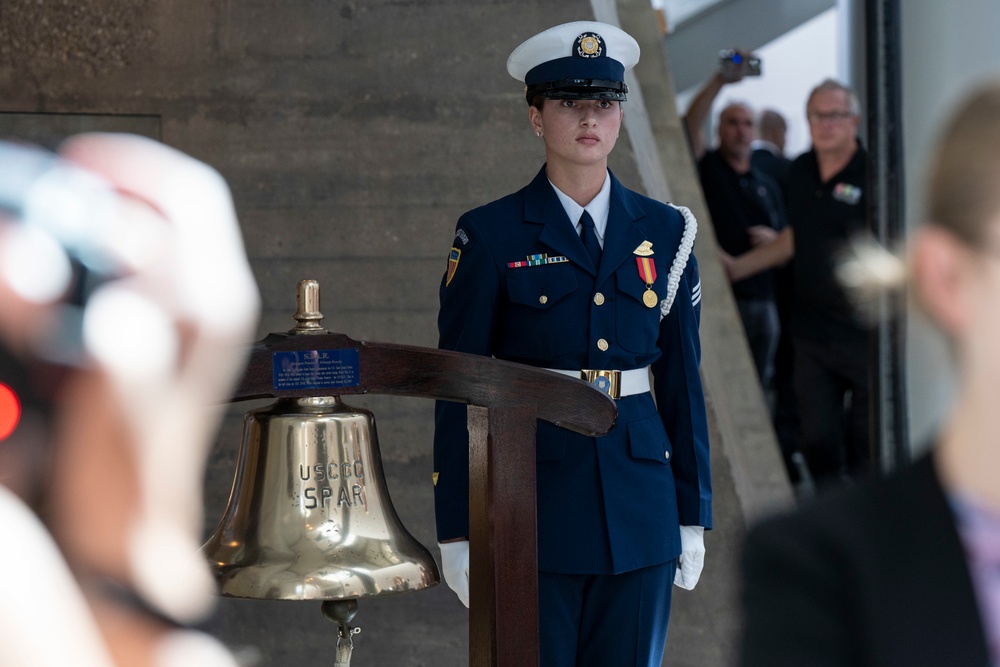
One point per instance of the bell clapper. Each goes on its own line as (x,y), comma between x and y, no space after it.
(342,612)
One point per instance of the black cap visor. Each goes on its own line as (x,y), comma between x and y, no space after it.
(578,89)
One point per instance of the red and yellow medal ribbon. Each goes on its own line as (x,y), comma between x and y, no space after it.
(647,270)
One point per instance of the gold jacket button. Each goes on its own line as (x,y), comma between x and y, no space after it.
(599,299)
(602,345)
(543,299)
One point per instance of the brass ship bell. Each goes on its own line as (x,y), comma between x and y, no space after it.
(309,516)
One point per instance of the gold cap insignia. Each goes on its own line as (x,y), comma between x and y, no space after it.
(435,477)
(588,45)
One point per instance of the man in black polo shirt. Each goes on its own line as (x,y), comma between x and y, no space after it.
(825,191)
(745,206)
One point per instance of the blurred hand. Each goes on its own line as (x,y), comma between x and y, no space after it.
(731,72)
(163,337)
(167,342)
(761,234)
(727,261)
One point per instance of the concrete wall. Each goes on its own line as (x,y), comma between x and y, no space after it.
(353,134)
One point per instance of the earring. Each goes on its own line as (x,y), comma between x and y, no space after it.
(538,134)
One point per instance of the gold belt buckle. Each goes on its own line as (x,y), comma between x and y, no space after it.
(607,381)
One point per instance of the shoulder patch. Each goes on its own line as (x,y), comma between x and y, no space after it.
(463,242)
(453,258)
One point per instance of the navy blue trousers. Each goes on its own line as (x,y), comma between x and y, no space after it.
(599,620)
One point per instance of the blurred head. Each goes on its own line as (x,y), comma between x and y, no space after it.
(736,131)
(956,255)
(833,113)
(963,196)
(771,127)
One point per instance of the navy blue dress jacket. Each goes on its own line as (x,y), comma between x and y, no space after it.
(609,504)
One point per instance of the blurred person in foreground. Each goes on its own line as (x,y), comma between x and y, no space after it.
(124,286)
(905,570)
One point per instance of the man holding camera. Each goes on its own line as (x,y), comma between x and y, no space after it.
(744,203)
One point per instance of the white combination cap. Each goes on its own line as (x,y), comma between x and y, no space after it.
(579,60)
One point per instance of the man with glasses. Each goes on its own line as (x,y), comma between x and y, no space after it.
(825,196)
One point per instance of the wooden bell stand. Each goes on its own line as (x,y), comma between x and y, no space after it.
(505,399)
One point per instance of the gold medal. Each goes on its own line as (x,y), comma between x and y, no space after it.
(647,271)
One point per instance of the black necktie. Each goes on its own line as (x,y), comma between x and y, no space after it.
(589,237)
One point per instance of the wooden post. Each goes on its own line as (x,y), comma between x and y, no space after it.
(503,618)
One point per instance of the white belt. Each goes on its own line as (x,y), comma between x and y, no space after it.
(614,383)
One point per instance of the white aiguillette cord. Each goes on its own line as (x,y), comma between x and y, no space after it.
(680,259)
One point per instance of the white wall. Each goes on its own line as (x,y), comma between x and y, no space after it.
(790,66)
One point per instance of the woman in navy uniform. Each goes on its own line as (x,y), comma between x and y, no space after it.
(576,272)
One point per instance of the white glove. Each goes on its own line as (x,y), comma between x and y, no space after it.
(455,563)
(692,557)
